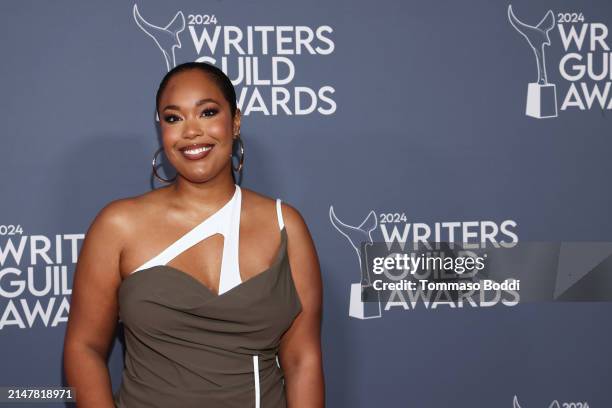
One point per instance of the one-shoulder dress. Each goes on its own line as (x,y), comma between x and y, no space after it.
(188,347)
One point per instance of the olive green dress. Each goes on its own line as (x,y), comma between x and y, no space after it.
(188,347)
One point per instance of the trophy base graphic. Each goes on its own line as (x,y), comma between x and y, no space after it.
(541,101)
(364,310)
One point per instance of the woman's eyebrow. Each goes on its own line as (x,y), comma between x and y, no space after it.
(198,103)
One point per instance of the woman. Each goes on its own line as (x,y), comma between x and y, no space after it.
(218,287)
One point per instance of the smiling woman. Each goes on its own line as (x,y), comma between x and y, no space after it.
(215,113)
(218,287)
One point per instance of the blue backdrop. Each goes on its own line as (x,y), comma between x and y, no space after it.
(434,111)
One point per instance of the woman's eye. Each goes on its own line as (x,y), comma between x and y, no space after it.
(205,112)
(209,112)
(170,118)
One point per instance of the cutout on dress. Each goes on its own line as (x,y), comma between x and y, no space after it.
(203,261)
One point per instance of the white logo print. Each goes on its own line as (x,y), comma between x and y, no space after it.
(554,404)
(262,61)
(356,236)
(541,95)
(166,38)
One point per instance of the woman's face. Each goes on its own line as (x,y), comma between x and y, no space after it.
(197,126)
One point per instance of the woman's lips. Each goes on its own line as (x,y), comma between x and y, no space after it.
(196,152)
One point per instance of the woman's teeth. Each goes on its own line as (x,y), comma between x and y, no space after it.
(198,150)
(197,153)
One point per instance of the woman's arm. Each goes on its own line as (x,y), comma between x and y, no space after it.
(300,348)
(93,310)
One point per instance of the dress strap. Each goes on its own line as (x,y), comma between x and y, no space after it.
(279,214)
(219,222)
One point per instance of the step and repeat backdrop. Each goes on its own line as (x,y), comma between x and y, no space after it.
(384,123)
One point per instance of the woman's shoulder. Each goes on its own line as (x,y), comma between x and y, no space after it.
(123,214)
(261,205)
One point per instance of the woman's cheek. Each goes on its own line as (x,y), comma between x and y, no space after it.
(217,130)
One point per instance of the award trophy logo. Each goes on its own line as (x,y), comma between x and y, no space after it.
(515,404)
(166,38)
(541,95)
(364,299)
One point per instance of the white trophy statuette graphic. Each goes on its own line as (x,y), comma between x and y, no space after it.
(357,235)
(541,95)
(515,404)
(166,38)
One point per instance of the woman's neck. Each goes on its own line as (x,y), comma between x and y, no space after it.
(210,194)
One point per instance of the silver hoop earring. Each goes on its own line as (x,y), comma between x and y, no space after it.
(241,159)
(155,168)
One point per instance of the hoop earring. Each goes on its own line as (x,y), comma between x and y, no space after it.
(241,159)
(155,168)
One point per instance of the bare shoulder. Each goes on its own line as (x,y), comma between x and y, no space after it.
(119,218)
(116,214)
(260,203)
(301,247)
(257,202)
(294,221)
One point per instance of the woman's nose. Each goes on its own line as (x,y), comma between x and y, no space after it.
(193,128)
